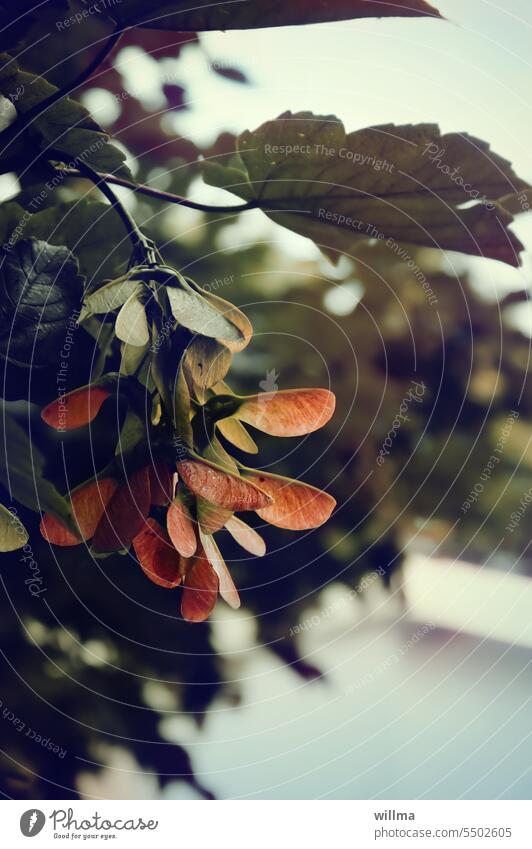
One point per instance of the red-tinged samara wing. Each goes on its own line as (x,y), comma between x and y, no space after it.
(161,485)
(220,487)
(288,412)
(181,527)
(158,558)
(88,505)
(75,409)
(125,515)
(200,590)
(296,506)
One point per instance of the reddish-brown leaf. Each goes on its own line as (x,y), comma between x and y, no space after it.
(88,506)
(125,515)
(200,590)
(296,506)
(289,412)
(181,528)
(76,409)
(220,487)
(158,558)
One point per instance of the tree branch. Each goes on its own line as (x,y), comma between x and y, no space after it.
(45,104)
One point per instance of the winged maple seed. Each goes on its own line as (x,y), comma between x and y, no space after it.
(168,511)
(172,485)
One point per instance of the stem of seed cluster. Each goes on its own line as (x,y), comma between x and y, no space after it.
(82,77)
(142,246)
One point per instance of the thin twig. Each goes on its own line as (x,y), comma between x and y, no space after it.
(160,194)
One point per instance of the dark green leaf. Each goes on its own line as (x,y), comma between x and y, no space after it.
(205,15)
(92,231)
(26,22)
(40,291)
(65,126)
(11,217)
(22,473)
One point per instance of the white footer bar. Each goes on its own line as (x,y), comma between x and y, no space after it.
(267,824)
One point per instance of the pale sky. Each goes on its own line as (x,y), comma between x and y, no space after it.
(472,75)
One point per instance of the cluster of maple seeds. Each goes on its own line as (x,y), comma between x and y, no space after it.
(198,495)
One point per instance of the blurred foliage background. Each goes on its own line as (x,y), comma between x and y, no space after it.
(101,658)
